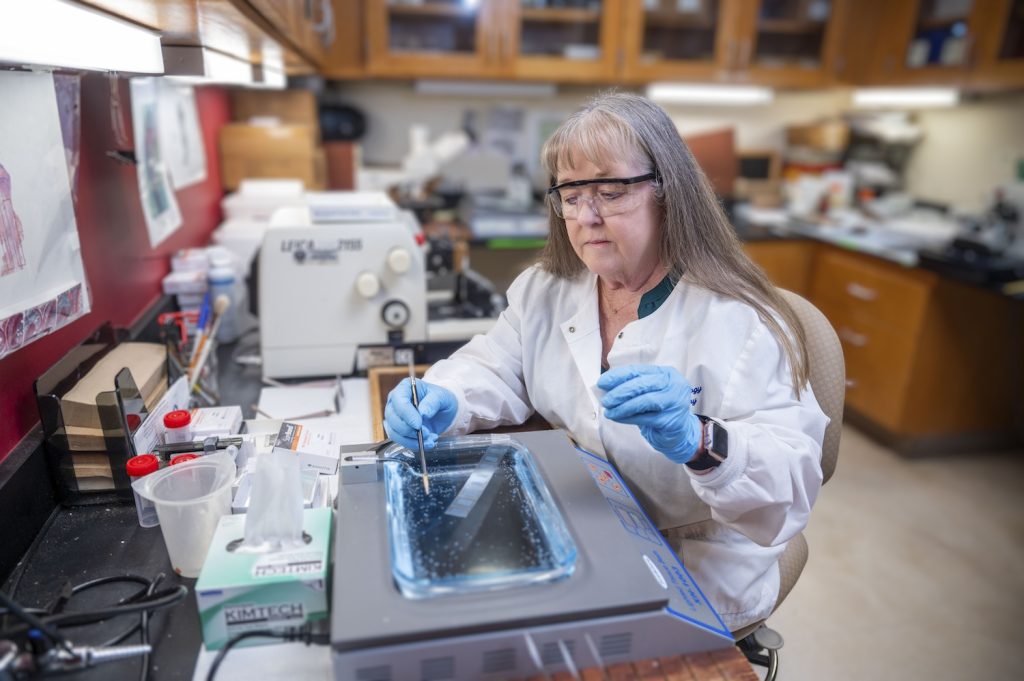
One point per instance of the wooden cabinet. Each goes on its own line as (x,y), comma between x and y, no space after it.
(1000,56)
(786,43)
(977,44)
(568,42)
(536,40)
(439,38)
(934,364)
(788,263)
(307,25)
(670,40)
(232,27)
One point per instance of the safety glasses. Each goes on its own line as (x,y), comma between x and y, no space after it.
(606,196)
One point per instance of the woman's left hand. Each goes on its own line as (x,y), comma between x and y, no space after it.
(657,399)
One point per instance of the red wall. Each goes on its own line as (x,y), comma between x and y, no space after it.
(122,271)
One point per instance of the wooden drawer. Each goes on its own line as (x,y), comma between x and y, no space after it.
(885,294)
(879,365)
(786,263)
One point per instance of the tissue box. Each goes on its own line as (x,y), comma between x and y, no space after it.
(239,592)
(316,449)
(207,421)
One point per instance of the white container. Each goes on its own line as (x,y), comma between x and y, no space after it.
(177,426)
(190,499)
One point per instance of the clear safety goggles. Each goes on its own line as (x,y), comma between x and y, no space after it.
(606,196)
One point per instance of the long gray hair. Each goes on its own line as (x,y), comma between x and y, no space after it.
(698,244)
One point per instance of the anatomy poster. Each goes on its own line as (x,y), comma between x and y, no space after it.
(181,139)
(159,204)
(42,280)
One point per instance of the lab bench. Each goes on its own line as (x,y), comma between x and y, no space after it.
(933,361)
(84,543)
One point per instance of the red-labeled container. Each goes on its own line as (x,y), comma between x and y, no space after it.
(177,426)
(138,467)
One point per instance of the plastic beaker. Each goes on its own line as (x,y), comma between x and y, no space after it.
(190,498)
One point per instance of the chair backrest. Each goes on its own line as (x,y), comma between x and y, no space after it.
(828,373)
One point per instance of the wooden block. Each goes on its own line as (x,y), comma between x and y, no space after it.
(674,669)
(147,362)
(733,665)
(382,381)
(648,669)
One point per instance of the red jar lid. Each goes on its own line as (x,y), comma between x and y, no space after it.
(182,458)
(177,418)
(134,421)
(140,465)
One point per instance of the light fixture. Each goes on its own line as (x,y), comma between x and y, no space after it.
(704,95)
(62,35)
(270,73)
(203,66)
(267,78)
(481,88)
(905,97)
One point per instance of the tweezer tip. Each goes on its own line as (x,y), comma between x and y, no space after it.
(426,485)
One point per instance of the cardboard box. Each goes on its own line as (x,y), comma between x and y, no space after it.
(271,151)
(293,107)
(829,136)
(238,592)
(148,364)
(319,450)
(224,421)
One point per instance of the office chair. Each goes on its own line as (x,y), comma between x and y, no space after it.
(828,381)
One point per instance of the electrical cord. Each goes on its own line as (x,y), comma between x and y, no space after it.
(47,621)
(304,633)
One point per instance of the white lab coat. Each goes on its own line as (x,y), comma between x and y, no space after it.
(730,526)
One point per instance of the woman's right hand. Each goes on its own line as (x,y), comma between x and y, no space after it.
(437,410)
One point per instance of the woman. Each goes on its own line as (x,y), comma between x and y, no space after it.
(643,320)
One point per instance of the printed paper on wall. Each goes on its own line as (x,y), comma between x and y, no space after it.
(42,279)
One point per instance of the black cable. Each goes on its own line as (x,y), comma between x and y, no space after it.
(304,634)
(159,599)
(235,640)
(34,622)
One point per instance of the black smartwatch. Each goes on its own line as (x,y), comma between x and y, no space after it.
(716,446)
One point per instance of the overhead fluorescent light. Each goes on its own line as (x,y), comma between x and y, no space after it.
(203,66)
(62,35)
(479,88)
(270,73)
(906,97)
(703,95)
(268,78)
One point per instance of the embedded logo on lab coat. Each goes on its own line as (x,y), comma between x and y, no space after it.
(309,251)
(696,390)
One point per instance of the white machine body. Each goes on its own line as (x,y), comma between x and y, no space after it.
(326,287)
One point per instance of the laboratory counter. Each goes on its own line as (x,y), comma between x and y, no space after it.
(85,543)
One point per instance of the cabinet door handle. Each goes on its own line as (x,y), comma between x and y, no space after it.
(861,292)
(325,27)
(857,340)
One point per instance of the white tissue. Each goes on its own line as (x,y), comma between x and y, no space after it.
(274,520)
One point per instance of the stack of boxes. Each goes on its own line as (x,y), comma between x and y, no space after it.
(276,134)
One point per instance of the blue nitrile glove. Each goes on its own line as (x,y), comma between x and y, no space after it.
(438,407)
(657,399)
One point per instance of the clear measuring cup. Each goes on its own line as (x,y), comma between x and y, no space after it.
(190,498)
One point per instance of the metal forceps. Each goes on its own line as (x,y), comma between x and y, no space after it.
(419,432)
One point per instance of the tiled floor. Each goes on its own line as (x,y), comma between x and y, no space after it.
(916,570)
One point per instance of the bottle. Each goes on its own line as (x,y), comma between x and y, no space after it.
(137,467)
(222,281)
(177,426)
